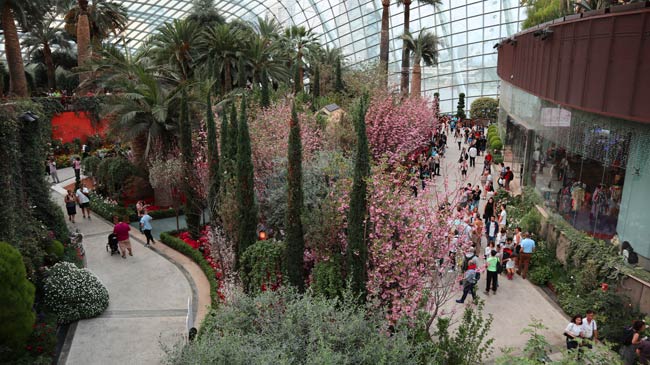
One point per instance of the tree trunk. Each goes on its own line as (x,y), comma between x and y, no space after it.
(384,42)
(49,64)
(83,46)
(227,77)
(417,78)
(404,84)
(17,78)
(301,71)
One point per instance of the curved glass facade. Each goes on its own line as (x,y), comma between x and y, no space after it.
(468,30)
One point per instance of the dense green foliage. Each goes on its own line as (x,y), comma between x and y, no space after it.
(246,205)
(72,293)
(90,165)
(327,277)
(213,162)
(542,11)
(179,245)
(192,207)
(338,85)
(357,249)
(265,97)
(262,265)
(460,109)
(17,293)
(295,236)
(283,327)
(484,108)
(112,175)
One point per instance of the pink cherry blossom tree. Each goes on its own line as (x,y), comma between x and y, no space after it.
(396,127)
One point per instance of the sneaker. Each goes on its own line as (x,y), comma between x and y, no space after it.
(130,254)
(487,292)
(124,257)
(459,301)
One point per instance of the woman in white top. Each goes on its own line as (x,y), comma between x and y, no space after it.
(573,332)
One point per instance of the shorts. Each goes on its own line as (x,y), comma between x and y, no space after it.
(84,205)
(124,245)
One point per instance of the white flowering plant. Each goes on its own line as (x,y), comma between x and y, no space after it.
(73,293)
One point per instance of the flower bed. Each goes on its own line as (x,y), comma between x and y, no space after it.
(182,243)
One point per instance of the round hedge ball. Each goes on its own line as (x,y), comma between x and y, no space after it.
(73,293)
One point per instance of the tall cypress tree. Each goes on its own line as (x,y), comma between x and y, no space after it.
(295,238)
(315,93)
(247,230)
(339,87)
(213,153)
(192,207)
(223,136)
(297,82)
(265,95)
(232,134)
(357,250)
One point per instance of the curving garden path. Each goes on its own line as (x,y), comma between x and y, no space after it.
(149,297)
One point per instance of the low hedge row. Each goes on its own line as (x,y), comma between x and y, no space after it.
(179,245)
(157,214)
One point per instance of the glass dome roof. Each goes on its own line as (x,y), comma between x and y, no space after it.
(468,30)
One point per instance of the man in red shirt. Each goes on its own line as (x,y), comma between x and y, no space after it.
(121,230)
(488,159)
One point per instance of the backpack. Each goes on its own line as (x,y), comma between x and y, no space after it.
(632,258)
(466,263)
(628,334)
(499,267)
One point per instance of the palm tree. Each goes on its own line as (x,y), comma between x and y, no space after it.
(173,44)
(267,28)
(300,43)
(423,48)
(22,11)
(91,24)
(204,14)
(219,48)
(384,40)
(42,37)
(265,57)
(139,112)
(404,84)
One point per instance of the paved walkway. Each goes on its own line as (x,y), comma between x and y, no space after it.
(148,299)
(518,302)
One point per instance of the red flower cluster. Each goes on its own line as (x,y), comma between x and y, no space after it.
(204,243)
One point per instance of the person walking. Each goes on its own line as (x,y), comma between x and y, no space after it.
(492,275)
(573,332)
(53,173)
(527,249)
(469,283)
(84,201)
(76,164)
(121,230)
(503,215)
(493,229)
(71,205)
(463,168)
(590,329)
(643,351)
(472,155)
(488,212)
(145,226)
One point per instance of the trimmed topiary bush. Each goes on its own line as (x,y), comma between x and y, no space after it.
(496,144)
(17,293)
(72,293)
(540,275)
(56,249)
(262,265)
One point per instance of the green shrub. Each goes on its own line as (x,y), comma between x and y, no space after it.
(540,275)
(531,221)
(327,277)
(112,174)
(497,158)
(484,108)
(72,293)
(496,144)
(56,249)
(90,165)
(284,327)
(17,293)
(262,265)
(180,246)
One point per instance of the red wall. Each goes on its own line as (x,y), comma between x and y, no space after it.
(70,125)
(596,62)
